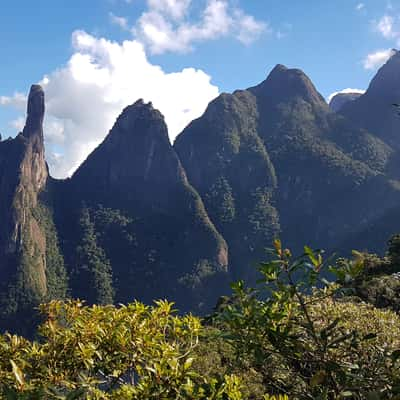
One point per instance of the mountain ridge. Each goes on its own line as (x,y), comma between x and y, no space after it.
(141,218)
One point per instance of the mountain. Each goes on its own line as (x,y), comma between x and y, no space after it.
(339,100)
(144,219)
(228,163)
(30,270)
(321,178)
(374,110)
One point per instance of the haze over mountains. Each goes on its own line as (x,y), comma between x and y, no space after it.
(144,219)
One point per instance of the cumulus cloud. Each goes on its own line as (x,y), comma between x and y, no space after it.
(122,22)
(347,90)
(165,26)
(84,98)
(378,58)
(175,9)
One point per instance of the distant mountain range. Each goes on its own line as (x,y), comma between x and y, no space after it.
(143,219)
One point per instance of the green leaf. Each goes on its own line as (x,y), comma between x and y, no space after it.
(346,393)
(318,378)
(188,363)
(76,394)
(19,376)
(315,261)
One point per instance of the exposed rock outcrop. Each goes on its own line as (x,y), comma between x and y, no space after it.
(314,155)
(339,100)
(23,175)
(374,109)
(136,170)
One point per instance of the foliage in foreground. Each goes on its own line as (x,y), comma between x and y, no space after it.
(297,336)
(101,352)
(306,338)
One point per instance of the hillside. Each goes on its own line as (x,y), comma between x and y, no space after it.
(142,219)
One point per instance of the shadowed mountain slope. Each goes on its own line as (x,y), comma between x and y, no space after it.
(134,185)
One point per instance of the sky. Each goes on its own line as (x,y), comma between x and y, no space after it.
(94,57)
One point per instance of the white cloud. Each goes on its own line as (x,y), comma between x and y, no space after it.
(347,90)
(376,59)
(389,26)
(122,22)
(18,100)
(84,98)
(360,6)
(176,9)
(18,124)
(248,27)
(165,26)
(386,27)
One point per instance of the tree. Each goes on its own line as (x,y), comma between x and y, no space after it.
(92,274)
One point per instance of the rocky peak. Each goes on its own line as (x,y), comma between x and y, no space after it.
(23,175)
(374,110)
(284,83)
(136,152)
(141,119)
(35,113)
(340,99)
(387,80)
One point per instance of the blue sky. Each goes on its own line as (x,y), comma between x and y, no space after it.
(223,44)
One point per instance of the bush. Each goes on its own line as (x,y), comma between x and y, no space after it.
(309,342)
(104,352)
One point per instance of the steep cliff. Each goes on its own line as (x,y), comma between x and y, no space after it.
(25,220)
(327,173)
(134,184)
(228,163)
(374,110)
(341,99)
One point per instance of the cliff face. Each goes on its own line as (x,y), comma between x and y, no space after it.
(341,99)
(322,176)
(23,175)
(374,110)
(228,163)
(177,252)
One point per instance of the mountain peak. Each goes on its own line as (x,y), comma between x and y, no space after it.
(339,100)
(279,68)
(136,148)
(387,79)
(35,112)
(137,111)
(283,83)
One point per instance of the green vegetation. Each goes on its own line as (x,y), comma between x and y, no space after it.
(103,352)
(296,336)
(56,275)
(91,275)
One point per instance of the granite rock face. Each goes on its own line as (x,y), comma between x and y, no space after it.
(374,110)
(136,171)
(23,175)
(339,100)
(321,176)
